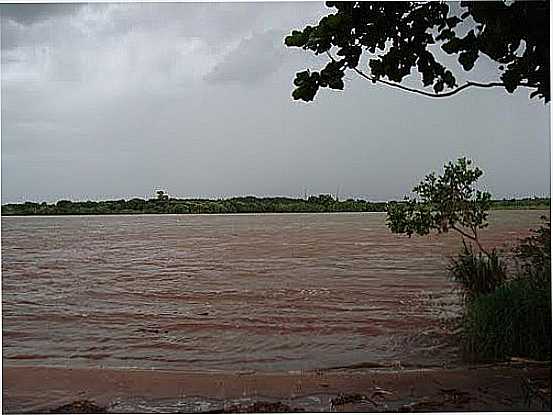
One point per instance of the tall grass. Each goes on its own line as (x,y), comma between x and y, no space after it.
(506,317)
(514,320)
(477,274)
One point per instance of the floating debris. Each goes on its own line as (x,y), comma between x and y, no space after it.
(79,407)
(450,399)
(350,398)
(256,407)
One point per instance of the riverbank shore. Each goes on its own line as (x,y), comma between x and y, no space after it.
(515,385)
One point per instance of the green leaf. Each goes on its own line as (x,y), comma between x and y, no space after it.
(449,79)
(296,39)
(336,83)
(301,78)
(446,34)
(453,46)
(467,59)
(453,21)
(439,86)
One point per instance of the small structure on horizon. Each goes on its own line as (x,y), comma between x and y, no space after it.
(161,195)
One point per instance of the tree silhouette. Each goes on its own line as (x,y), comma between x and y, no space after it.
(399,38)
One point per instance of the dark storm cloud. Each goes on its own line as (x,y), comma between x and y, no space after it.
(115,100)
(27,14)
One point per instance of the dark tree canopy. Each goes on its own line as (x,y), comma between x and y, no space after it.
(399,37)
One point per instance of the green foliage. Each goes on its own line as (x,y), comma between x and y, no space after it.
(514,320)
(477,274)
(161,195)
(399,36)
(443,202)
(321,203)
(540,203)
(534,253)
(163,204)
(325,200)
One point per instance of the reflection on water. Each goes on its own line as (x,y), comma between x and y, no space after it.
(224,292)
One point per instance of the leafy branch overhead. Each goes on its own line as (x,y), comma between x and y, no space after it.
(399,37)
(444,202)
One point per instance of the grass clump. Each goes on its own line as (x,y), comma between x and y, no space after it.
(477,274)
(533,255)
(514,320)
(507,315)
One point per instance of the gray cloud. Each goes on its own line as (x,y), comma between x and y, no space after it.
(254,58)
(27,14)
(115,100)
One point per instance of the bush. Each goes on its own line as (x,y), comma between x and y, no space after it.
(514,320)
(477,274)
(533,255)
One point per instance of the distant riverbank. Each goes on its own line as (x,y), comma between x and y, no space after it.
(248,204)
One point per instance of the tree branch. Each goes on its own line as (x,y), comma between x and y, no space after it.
(462,232)
(434,95)
(473,238)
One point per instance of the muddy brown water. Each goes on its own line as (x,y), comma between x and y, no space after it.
(227,292)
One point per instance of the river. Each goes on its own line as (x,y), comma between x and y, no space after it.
(258,292)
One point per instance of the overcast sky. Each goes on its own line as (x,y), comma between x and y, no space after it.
(109,101)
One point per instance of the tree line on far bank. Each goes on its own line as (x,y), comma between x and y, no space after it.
(323,203)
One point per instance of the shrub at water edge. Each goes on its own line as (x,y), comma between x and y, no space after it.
(477,273)
(515,319)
